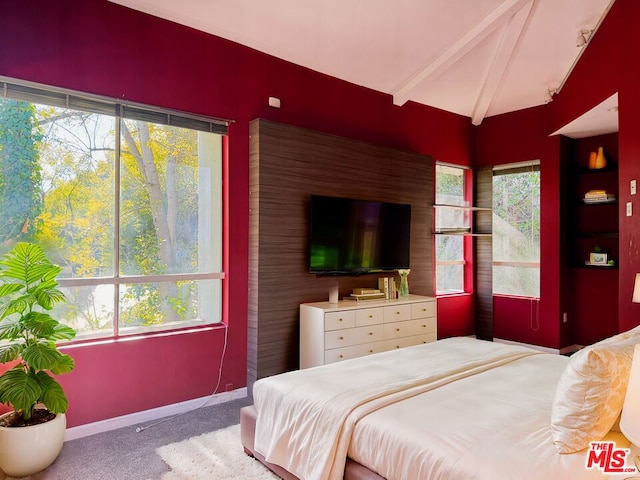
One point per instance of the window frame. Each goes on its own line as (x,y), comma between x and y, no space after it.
(515,168)
(466,261)
(120,110)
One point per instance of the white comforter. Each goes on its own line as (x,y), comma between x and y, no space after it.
(490,426)
(305,418)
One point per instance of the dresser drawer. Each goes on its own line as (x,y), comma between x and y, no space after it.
(423,309)
(352,336)
(409,341)
(369,316)
(338,320)
(397,313)
(354,351)
(409,327)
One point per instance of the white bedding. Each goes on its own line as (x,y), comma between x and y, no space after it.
(493,425)
(305,418)
(469,409)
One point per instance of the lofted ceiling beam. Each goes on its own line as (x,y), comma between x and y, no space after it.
(512,31)
(468,41)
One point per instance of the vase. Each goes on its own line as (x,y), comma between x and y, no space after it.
(601,160)
(403,290)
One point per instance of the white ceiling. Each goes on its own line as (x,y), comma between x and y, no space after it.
(476,58)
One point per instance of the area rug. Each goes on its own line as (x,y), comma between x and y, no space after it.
(213,456)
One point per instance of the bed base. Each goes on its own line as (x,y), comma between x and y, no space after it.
(353,470)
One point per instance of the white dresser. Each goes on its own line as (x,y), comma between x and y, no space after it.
(332,332)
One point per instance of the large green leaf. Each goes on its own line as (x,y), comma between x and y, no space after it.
(40,325)
(27,262)
(62,332)
(52,395)
(10,352)
(65,364)
(20,389)
(16,305)
(10,329)
(41,356)
(9,288)
(47,296)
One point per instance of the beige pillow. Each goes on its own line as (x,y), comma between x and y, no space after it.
(590,393)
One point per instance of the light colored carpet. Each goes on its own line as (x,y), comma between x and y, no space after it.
(213,456)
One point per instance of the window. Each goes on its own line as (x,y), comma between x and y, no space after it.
(450,190)
(126,199)
(516,230)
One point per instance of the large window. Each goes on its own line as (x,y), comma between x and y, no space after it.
(516,230)
(126,199)
(450,191)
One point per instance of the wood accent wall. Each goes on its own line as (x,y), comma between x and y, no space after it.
(484,255)
(286,166)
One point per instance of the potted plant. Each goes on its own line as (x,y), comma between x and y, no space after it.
(28,336)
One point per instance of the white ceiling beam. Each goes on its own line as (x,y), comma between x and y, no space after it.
(462,46)
(511,33)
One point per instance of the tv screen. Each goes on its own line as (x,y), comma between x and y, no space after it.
(357,236)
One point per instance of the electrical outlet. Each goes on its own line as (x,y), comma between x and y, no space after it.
(629,209)
(633,187)
(564,317)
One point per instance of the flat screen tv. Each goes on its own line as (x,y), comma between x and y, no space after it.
(352,237)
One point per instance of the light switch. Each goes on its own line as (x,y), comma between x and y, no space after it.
(632,187)
(629,209)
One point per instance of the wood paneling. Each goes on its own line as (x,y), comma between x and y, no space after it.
(287,165)
(484,255)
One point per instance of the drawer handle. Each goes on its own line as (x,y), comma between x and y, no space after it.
(397,313)
(370,333)
(339,319)
(397,346)
(370,351)
(341,356)
(397,329)
(424,309)
(424,326)
(340,338)
(370,316)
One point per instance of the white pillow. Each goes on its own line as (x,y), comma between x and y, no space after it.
(591,391)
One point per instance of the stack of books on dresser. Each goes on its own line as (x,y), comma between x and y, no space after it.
(366,294)
(598,196)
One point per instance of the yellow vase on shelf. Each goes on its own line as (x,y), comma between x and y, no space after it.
(601,161)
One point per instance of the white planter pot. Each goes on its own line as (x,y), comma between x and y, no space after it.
(28,450)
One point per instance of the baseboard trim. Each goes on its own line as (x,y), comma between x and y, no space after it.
(151,415)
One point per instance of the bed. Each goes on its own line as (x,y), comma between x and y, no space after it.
(458,408)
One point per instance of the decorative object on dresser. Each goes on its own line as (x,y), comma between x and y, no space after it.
(403,291)
(331,333)
(365,294)
(388,286)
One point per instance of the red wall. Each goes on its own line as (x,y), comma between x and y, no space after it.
(517,137)
(609,64)
(102,48)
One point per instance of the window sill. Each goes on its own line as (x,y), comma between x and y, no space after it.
(452,294)
(92,341)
